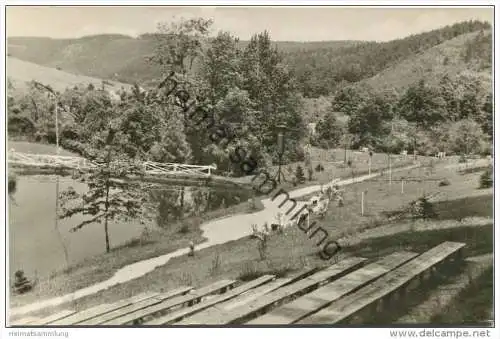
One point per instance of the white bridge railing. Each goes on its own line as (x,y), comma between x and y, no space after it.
(59,161)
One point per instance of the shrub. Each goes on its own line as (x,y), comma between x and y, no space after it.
(189,224)
(216,265)
(249,273)
(319,168)
(299,175)
(262,245)
(424,209)
(486,179)
(20,126)
(462,159)
(444,182)
(12,185)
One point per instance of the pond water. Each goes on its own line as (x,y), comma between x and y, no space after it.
(36,247)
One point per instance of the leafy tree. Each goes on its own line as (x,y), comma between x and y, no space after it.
(179,44)
(329,130)
(470,105)
(486,117)
(111,195)
(348,100)
(272,87)
(466,137)
(368,123)
(423,105)
(448,92)
(221,67)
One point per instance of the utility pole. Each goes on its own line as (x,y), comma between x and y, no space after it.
(370,163)
(390,170)
(281,149)
(362,203)
(56,113)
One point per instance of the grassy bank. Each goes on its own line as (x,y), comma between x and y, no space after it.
(472,306)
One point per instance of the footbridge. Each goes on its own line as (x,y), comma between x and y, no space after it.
(28,163)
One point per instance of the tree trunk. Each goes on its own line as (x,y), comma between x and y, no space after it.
(182,203)
(106,206)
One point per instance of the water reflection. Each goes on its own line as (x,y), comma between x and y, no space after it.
(177,203)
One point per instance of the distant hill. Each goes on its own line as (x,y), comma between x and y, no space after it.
(466,54)
(20,73)
(117,57)
(320,67)
(322,71)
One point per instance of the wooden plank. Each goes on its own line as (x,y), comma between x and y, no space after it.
(84,315)
(182,313)
(346,307)
(310,303)
(245,298)
(53,317)
(150,310)
(137,306)
(98,310)
(239,313)
(255,293)
(24,321)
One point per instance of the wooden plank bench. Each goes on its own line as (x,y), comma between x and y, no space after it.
(24,321)
(52,317)
(379,293)
(158,309)
(180,291)
(101,309)
(243,299)
(310,303)
(255,293)
(184,312)
(269,300)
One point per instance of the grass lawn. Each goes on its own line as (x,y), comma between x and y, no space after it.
(472,306)
(335,168)
(382,199)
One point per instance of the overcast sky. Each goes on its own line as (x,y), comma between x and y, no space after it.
(284,23)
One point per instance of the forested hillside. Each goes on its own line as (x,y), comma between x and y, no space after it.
(324,70)
(120,57)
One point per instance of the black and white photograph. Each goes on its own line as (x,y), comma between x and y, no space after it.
(234,165)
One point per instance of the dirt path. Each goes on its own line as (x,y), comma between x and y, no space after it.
(444,294)
(217,232)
